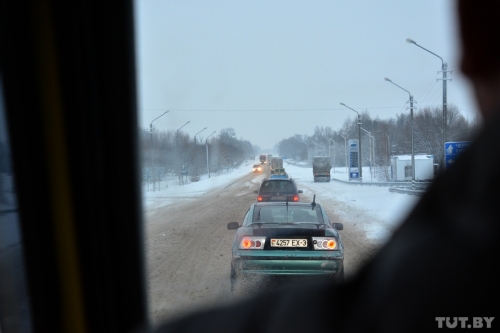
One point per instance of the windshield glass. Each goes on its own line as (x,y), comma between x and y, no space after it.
(330,90)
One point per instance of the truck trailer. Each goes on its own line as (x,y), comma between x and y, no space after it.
(321,168)
(276,163)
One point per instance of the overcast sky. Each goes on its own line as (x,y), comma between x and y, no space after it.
(251,65)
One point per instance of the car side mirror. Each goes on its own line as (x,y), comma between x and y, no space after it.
(338,226)
(233,225)
(300,191)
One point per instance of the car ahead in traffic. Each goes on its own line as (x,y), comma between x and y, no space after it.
(257,168)
(280,176)
(278,189)
(286,239)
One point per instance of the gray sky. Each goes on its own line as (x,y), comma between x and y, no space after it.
(211,61)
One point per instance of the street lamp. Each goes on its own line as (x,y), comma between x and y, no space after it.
(412,146)
(388,149)
(197,134)
(359,138)
(370,137)
(151,140)
(388,145)
(196,153)
(345,148)
(316,153)
(307,149)
(182,126)
(444,67)
(206,146)
(151,125)
(331,139)
(178,155)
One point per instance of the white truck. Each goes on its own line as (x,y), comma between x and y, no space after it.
(321,168)
(276,163)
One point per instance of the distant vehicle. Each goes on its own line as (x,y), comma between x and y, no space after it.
(280,239)
(257,168)
(278,190)
(262,158)
(276,163)
(321,168)
(281,176)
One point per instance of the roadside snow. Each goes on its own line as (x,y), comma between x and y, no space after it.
(385,209)
(171,191)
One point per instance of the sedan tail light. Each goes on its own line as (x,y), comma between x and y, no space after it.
(252,243)
(325,243)
(259,198)
(295,198)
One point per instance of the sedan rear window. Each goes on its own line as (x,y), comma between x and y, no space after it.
(281,214)
(284,186)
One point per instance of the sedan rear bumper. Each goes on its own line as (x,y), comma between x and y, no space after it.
(244,266)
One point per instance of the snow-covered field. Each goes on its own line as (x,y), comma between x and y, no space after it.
(378,209)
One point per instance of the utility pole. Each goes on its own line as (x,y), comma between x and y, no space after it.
(444,69)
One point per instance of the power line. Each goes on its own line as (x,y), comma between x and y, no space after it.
(269,110)
(428,89)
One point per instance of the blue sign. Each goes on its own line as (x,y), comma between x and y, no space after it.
(452,150)
(353,159)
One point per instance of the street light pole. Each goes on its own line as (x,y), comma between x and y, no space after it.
(151,141)
(388,155)
(178,155)
(151,125)
(316,153)
(331,139)
(196,153)
(307,150)
(444,68)
(388,146)
(345,148)
(206,146)
(412,145)
(359,138)
(371,150)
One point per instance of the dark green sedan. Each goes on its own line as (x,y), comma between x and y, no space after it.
(286,239)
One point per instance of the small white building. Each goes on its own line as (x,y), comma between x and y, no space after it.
(401,167)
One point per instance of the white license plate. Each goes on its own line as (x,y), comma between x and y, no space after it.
(278,198)
(279,242)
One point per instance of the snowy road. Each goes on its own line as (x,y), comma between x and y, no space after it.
(188,247)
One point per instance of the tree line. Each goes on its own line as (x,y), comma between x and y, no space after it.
(386,137)
(178,153)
